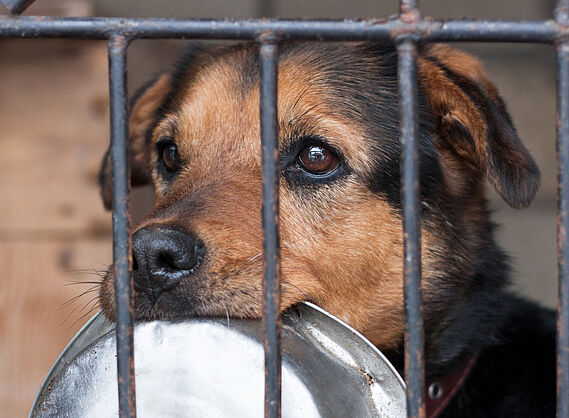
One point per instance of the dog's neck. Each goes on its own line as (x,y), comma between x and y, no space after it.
(472,323)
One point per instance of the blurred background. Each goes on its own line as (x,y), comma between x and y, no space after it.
(55,237)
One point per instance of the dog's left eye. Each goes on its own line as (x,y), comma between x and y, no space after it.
(317,160)
(168,155)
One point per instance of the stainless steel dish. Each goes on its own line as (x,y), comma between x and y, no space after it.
(214,368)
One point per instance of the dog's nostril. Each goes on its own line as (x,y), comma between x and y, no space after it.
(166,261)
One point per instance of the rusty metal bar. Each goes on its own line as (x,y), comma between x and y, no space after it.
(268,58)
(121,237)
(408,7)
(325,30)
(562,17)
(414,362)
(562,12)
(563,229)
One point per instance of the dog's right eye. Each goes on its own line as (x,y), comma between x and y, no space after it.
(168,155)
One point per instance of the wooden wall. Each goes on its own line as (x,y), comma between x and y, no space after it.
(53,229)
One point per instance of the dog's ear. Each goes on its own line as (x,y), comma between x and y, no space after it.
(144,109)
(472,121)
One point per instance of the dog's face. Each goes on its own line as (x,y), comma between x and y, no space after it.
(195,135)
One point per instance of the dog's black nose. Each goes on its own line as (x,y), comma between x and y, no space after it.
(162,257)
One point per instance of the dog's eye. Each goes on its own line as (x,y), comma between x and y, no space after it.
(317,160)
(168,154)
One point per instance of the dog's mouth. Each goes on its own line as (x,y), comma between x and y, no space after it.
(194,292)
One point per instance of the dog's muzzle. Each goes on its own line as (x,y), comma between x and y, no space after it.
(162,257)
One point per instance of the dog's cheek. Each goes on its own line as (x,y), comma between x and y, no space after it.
(345,252)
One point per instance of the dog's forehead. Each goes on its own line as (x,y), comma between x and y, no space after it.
(217,113)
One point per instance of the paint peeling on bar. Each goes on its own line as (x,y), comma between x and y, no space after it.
(324,30)
(121,220)
(268,58)
(414,362)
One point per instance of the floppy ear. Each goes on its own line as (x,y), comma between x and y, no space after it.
(144,110)
(472,120)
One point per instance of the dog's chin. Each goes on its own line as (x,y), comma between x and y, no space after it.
(175,306)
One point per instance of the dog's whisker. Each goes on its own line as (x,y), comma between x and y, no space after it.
(86,314)
(89,272)
(80,271)
(255,257)
(95,282)
(75,298)
(69,314)
(95,300)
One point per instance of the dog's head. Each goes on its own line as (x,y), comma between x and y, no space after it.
(194,134)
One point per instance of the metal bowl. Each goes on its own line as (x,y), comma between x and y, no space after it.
(214,368)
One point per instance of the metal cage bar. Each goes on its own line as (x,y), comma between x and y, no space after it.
(268,59)
(414,365)
(323,30)
(563,229)
(562,16)
(121,237)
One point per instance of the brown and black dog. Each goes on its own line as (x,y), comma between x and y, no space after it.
(194,134)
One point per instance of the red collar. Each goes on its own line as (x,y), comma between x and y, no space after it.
(441,389)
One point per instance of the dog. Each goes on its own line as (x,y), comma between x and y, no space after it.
(195,136)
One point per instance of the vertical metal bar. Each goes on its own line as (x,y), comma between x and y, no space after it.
(268,57)
(121,237)
(562,17)
(563,229)
(414,365)
(408,8)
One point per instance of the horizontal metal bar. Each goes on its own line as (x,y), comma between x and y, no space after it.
(268,57)
(414,361)
(121,238)
(328,30)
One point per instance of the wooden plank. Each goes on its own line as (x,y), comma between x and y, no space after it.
(54,132)
(35,321)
